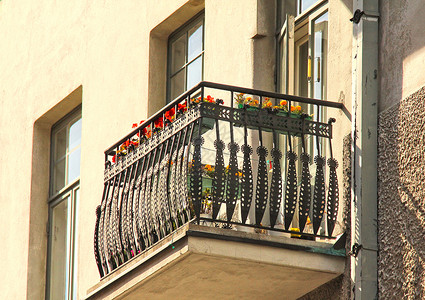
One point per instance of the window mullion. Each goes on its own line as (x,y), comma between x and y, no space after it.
(186,59)
(188,63)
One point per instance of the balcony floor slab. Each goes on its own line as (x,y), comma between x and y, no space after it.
(200,262)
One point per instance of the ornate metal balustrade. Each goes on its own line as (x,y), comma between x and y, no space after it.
(220,165)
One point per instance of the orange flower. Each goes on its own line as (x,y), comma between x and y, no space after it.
(248,99)
(292,108)
(268,104)
(298,108)
(283,103)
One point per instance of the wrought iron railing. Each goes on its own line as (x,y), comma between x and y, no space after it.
(172,169)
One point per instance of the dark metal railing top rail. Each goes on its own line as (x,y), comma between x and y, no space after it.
(159,176)
(206,84)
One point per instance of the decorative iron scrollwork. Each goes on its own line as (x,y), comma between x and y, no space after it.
(147,194)
(333,195)
(318,194)
(305,191)
(247,182)
(218,183)
(275,187)
(232,189)
(291,189)
(261,191)
(196,178)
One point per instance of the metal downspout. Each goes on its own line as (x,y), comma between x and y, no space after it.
(364,270)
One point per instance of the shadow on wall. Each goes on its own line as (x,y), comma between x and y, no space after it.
(401,196)
(402,36)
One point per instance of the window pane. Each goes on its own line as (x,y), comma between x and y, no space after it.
(74,165)
(177,85)
(195,41)
(178,54)
(303,5)
(59,251)
(320,56)
(194,72)
(303,72)
(74,135)
(60,144)
(59,175)
(283,66)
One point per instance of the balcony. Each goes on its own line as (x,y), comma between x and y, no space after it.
(222,173)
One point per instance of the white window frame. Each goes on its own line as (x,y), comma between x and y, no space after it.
(183,30)
(70,193)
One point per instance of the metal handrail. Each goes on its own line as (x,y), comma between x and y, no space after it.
(207,84)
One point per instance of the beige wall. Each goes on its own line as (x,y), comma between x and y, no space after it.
(109,56)
(402,46)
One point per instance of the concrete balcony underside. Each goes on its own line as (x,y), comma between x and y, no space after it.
(199,262)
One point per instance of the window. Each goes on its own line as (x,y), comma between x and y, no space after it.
(302,48)
(63,206)
(302,56)
(185,57)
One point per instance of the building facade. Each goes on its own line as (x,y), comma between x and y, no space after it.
(77,75)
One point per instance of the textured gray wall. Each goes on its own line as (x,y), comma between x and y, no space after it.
(340,287)
(401,196)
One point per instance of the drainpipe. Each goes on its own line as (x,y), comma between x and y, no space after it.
(364,205)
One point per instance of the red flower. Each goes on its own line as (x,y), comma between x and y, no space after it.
(210,99)
(169,114)
(134,125)
(126,143)
(159,122)
(182,107)
(114,158)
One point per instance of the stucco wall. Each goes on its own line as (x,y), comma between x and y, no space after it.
(103,50)
(401,196)
(109,57)
(402,42)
